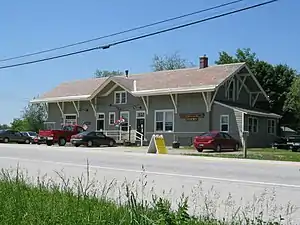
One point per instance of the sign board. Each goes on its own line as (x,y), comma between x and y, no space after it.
(191,116)
(157,145)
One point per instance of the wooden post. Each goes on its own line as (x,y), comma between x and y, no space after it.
(245,136)
(245,148)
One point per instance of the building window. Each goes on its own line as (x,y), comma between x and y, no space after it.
(224,123)
(164,120)
(252,124)
(70,119)
(271,126)
(112,118)
(120,97)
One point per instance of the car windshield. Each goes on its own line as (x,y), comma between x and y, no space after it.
(85,132)
(32,133)
(68,128)
(207,135)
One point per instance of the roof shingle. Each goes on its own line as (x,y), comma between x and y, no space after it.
(181,78)
(75,88)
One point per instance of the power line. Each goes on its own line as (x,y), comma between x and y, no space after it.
(142,36)
(122,32)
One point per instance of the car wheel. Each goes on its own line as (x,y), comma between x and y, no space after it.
(76,145)
(89,143)
(62,142)
(49,143)
(6,140)
(111,144)
(27,141)
(236,147)
(199,149)
(218,148)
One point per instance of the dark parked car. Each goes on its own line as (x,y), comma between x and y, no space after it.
(31,134)
(294,142)
(7,136)
(281,143)
(215,140)
(92,138)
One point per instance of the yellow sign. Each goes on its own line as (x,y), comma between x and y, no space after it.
(157,145)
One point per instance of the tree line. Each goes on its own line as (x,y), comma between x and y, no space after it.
(280,82)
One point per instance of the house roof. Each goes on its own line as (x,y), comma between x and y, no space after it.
(246,110)
(169,81)
(76,90)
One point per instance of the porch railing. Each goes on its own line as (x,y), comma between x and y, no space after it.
(121,136)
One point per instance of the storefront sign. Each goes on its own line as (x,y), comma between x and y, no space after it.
(191,116)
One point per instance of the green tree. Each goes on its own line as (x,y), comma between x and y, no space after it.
(274,79)
(292,103)
(106,73)
(171,62)
(20,125)
(35,115)
(241,55)
(4,126)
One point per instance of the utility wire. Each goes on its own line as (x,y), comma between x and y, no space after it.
(142,36)
(123,32)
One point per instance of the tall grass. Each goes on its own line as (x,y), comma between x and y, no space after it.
(84,200)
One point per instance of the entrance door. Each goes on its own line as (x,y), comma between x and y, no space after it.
(140,122)
(100,123)
(125,116)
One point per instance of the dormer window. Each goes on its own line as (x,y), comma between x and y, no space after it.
(120,97)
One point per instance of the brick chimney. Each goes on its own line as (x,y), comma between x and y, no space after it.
(203,62)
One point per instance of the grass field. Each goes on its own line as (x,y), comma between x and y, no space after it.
(258,153)
(22,203)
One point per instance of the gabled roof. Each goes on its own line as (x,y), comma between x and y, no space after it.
(153,83)
(246,110)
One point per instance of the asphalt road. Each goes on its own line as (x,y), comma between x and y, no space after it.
(216,186)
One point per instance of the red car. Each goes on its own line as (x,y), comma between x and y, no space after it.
(61,137)
(215,140)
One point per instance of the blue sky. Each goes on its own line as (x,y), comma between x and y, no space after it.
(28,26)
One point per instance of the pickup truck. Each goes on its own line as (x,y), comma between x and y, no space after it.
(61,137)
(294,142)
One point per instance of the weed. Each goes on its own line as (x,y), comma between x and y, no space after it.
(85,200)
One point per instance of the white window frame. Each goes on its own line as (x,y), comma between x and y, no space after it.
(97,118)
(227,116)
(120,93)
(47,123)
(164,120)
(74,120)
(109,120)
(253,119)
(271,127)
